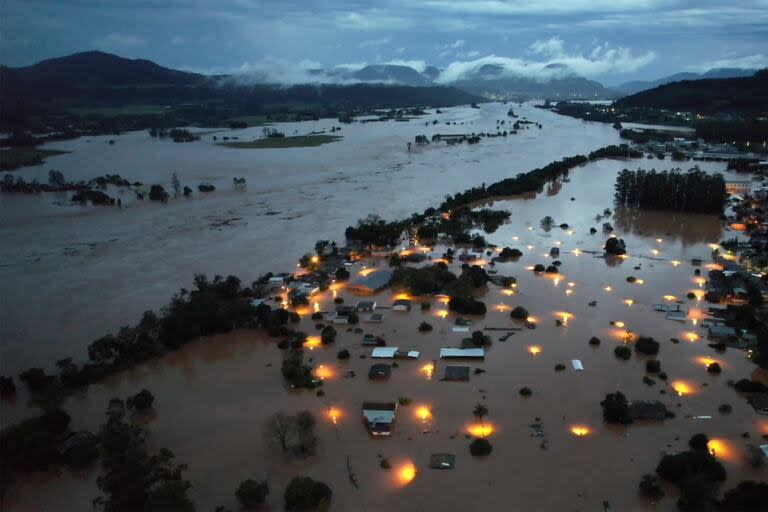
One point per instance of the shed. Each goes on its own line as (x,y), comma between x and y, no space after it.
(456,373)
(375,318)
(379,417)
(369,340)
(459,328)
(384,352)
(647,410)
(764,447)
(366,305)
(401,305)
(371,283)
(448,460)
(720,331)
(576,363)
(379,371)
(462,353)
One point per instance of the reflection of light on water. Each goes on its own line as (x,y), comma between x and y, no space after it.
(323,372)
(407,473)
(423,413)
(564,316)
(556,281)
(403,296)
(580,430)
(721,449)
(534,350)
(529,247)
(508,292)
(367,271)
(700,281)
(442,313)
(480,429)
(619,324)
(691,336)
(670,297)
(316,307)
(531,319)
(608,289)
(529,267)
(502,307)
(682,388)
(428,370)
(515,238)
(675,263)
(629,302)
(568,292)
(706,361)
(571,284)
(444,299)
(659,240)
(312,341)
(655,252)
(334,414)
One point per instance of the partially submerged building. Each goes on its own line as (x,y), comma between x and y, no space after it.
(379,371)
(379,417)
(462,353)
(456,373)
(647,410)
(759,402)
(371,283)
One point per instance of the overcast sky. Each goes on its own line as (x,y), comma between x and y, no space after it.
(608,40)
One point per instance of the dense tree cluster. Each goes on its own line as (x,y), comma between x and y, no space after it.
(374,230)
(694,191)
(303,493)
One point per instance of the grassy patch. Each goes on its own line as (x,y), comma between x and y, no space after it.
(14,158)
(301,141)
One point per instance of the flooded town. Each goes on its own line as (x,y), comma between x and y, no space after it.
(380,289)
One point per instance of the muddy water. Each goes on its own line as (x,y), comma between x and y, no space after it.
(213,396)
(70,273)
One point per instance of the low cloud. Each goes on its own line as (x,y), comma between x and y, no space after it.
(375,42)
(554,60)
(757,61)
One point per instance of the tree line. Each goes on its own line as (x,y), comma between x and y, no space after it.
(692,191)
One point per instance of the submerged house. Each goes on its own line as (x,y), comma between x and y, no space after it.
(462,353)
(456,373)
(379,371)
(759,402)
(647,410)
(379,417)
(371,283)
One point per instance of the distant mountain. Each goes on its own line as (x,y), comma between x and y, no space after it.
(492,80)
(640,85)
(713,95)
(97,79)
(97,69)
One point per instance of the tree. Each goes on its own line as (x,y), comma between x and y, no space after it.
(650,487)
(278,428)
(480,411)
(748,496)
(55,178)
(305,430)
(303,493)
(480,447)
(615,408)
(647,345)
(251,493)
(615,246)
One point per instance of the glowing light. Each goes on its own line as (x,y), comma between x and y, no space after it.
(692,336)
(659,240)
(623,256)
(534,350)
(315,259)
(706,361)
(675,263)
(700,281)
(721,449)
(502,307)
(529,247)
(335,293)
(403,296)
(620,325)
(670,297)
(556,281)
(367,271)
(699,294)
(629,302)
(508,292)
(316,307)
(570,232)
(334,414)
(694,321)
(515,238)
(580,430)
(428,370)
(571,284)
(568,292)
(558,243)
(608,289)
(713,246)
(445,299)
(322,372)
(423,413)
(407,473)
(480,429)
(639,281)
(682,388)
(312,341)
(442,313)
(655,252)
(564,316)
(531,319)
(530,267)
(576,252)
(530,228)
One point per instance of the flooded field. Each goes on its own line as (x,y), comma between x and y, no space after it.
(70,274)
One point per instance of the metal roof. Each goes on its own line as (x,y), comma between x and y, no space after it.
(384,352)
(470,353)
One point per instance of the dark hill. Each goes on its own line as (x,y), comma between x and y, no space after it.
(747,95)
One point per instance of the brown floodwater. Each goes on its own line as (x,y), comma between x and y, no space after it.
(213,396)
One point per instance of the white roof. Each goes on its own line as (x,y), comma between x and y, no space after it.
(276,279)
(576,363)
(460,328)
(462,352)
(384,352)
(413,354)
(764,447)
(377,416)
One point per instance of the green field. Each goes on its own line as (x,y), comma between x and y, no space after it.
(301,141)
(126,110)
(14,158)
